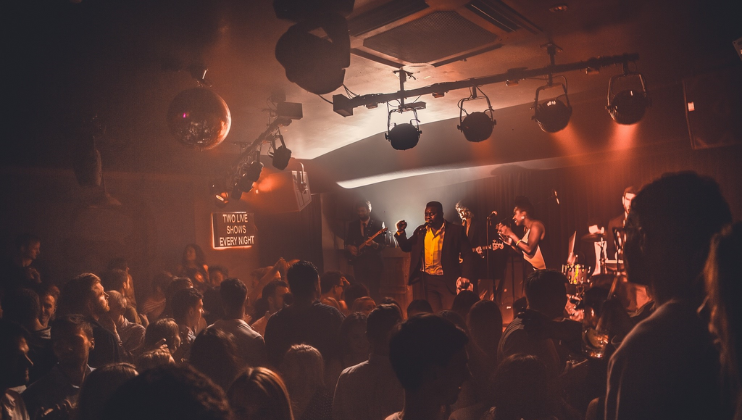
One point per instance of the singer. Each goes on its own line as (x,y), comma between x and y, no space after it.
(440,254)
(534,233)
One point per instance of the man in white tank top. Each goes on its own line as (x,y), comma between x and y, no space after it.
(534,233)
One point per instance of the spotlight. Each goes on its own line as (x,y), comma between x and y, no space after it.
(476,126)
(403,136)
(249,175)
(280,155)
(628,106)
(552,115)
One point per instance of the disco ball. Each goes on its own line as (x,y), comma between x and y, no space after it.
(199,118)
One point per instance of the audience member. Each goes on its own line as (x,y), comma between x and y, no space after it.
(419,306)
(72,340)
(131,334)
(48,297)
(164,331)
(193,265)
(176,284)
(723,275)
(22,307)
(217,274)
(120,281)
(303,370)
(463,302)
(14,369)
(667,367)
(273,294)
(485,331)
(306,321)
(84,295)
(250,345)
(168,393)
(546,295)
(187,311)
(428,355)
(153,358)
(155,304)
(215,355)
(455,318)
(213,306)
(19,270)
(354,346)
(98,388)
(259,394)
(520,390)
(363,305)
(354,291)
(370,390)
(331,285)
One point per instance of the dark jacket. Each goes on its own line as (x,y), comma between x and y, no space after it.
(455,246)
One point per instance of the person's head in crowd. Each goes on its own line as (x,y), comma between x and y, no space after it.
(363,209)
(419,306)
(118,263)
(168,393)
(99,386)
(485,326)
(303,280)
(520,389)
(15,364)
(353,342)
(303,370)
(117,304)
(160,283)
(455,318)
(379,325)
(217,274)
(83,295)
(628,196)
(175,285)
(48,298)
(115,279)
(428,355)
(668,233)
(363,304)
(72,340)
(188,307)
(215,355)
(28,247)
(386,300)
(463,302)
(332,283)
(273,293)
(233,293)
(259,394)
(162,331)
(546,292)
(355,291)
(153,358)
(723,274)
(22,307)
(193,254)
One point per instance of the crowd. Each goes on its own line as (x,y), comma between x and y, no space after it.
(291,344)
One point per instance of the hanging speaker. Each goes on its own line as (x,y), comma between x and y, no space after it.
(713,108)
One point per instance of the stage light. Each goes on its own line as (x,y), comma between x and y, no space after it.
(552,115)
(628,106)
(280,155)
(476,126)
(249,175)
(403,136)
(236,193)
(199,118)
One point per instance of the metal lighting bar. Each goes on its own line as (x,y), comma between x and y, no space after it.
(344,105)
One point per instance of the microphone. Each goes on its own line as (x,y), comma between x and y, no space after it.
(556,197)
(493,213)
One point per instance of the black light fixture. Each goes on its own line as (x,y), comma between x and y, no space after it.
(553,114)
(628,105)
(281,154)
(217,191)
(250,175)
(476,126)
(403,136)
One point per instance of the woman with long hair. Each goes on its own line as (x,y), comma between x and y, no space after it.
(259,394)
(193,265)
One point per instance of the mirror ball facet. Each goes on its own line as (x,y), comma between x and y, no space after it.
(199,118)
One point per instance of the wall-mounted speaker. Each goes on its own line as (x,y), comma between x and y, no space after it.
(713,108)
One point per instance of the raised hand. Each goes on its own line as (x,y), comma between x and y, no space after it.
(401,226)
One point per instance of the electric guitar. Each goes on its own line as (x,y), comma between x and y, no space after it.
(363,246)
(492,247)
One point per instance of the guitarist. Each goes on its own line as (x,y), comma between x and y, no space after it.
(367,261)
(476,233)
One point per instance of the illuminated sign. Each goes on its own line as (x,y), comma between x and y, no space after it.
(233,230)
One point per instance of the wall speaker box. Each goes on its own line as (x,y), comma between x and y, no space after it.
(713,108)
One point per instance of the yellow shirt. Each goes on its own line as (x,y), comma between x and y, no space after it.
(433,246)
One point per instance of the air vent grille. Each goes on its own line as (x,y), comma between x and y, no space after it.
(500,15)
(384,15)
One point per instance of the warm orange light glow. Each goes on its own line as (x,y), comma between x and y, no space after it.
(623,136)
(568,140)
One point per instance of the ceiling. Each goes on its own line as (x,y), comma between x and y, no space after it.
(67,60)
